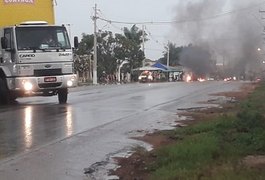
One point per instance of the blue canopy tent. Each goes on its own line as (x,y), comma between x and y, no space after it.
(161,66)
(174,73)
(168,68)
(149,68)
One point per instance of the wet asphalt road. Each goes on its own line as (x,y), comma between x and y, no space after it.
(40,139)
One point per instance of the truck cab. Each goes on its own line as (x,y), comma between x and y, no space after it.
(36,59)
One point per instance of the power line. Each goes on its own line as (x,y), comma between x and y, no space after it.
(114,26)
(152,37)
(181,21)
(118,28)
(152,49)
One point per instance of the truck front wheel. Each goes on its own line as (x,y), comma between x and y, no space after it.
(4,94)
(62,95)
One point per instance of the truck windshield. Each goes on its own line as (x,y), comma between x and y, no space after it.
(41,38)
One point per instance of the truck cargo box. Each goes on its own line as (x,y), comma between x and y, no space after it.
(16,11)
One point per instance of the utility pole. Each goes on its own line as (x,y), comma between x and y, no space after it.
(95,76)
(259,49)
(168,54)
(143,43)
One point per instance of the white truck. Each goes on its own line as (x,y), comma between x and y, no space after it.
(33,66)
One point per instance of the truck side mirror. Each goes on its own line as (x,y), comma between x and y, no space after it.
(4,42)
(76,42)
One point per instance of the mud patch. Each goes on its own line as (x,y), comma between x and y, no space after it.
(255,161)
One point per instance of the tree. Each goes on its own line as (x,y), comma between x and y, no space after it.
(113,49)
(82,66)
(86,45)
(174,55)
(82,63)
(107,61)
(131,44)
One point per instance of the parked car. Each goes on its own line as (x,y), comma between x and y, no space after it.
(145,76)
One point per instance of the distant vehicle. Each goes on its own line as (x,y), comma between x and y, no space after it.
(230,79)
(258,79)
(210,79)
(145,76)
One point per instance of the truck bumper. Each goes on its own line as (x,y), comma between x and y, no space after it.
(43,83)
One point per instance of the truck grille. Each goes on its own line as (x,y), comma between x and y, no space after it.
(50,85)
(47,72)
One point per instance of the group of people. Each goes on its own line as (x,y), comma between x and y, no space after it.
(108,78)
(113,79)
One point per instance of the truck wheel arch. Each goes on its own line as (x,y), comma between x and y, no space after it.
(4,94)
(2,74)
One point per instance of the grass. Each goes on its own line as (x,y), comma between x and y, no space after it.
(215,149)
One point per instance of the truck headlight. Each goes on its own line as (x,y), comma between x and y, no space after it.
(27,86)
(69,83)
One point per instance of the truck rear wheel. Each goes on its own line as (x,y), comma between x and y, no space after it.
(62,95)
(4,93)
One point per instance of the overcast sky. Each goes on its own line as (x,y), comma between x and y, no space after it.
(78,13)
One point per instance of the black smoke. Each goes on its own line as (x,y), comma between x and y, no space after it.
(198,59)
(228,32)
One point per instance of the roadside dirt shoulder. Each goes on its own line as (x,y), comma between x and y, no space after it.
(136,166)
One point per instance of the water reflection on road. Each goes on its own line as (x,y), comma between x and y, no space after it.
(69,121)
(28,127)
(25,127)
